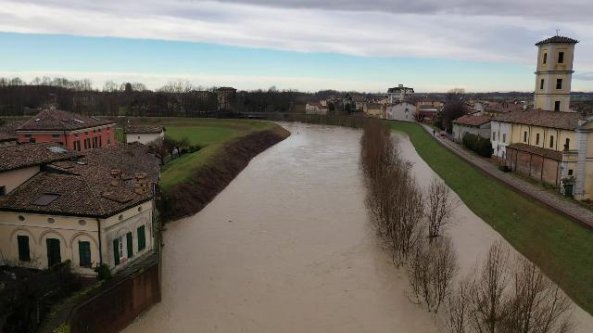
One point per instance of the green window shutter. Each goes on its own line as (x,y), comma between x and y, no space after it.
(84,252)
(116,254)
(53,252)
(24,252)
(130,245)
(141,238)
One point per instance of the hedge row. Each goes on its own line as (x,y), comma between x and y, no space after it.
(478,144)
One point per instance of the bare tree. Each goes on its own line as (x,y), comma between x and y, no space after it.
(536,305)
(488,291)
(431,269)
(459,306)
(439,208)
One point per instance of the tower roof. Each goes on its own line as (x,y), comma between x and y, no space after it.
(557,40)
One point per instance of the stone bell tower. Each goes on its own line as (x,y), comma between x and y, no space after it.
(554,73)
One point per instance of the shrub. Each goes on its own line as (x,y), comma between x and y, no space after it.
(103,272)
(481,146)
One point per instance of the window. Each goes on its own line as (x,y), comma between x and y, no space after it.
(77,145)
(504,138)
(557,106)
(567,144)
(32,140)
(53,252)
(493,136)
(130,244)
(100,142)
(84,253)
(141,238)
(551,141)
(116,251)
(558,83)
(537,139)
(570,172)
(525,136)
(541,84)
(545,60)
(561,57)
(2,190)
(55,135)
(24,251)
(21,218)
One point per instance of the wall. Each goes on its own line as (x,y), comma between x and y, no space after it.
(13,178)
(69,231)
(401,111)
(118,304)
(460,130)
(502,138)
(144,138)
(534,166)
(106,133)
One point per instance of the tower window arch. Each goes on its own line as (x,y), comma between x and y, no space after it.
(560,57)
(545,59)
(541,84)
(558,83)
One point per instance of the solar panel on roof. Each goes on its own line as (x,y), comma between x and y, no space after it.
(45,199)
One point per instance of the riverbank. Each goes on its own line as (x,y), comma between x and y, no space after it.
(189,183)
(559,246)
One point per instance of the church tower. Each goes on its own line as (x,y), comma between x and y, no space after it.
(554,73)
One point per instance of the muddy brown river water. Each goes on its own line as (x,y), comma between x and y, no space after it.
(288,247)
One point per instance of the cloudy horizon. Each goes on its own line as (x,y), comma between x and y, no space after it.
(304,45)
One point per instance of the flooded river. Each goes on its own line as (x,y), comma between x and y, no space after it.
(287,247)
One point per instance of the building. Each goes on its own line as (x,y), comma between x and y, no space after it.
(226,98)
(551,143)
(144,134)
(73,131)
(399,93)
(94,210)
(7,139)
(374,110)
(428,110)
(476,125)
(316,108)
(554,73)
(402,111)
(19,163)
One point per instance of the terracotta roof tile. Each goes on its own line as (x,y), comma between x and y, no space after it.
(557,40)
(562,120)
(137,129)
(475,121)
(102,184)
(57,120)
(549,153)
(21,156)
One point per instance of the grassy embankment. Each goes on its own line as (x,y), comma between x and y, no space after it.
(191,181)
(560,247)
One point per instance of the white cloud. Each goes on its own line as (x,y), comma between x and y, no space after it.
(499,31)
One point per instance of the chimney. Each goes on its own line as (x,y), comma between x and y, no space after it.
(142,185)
(116,177)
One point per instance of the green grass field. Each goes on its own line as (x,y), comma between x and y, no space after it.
(561,247)
(211,134)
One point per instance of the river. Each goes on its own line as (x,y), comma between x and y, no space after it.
(288,247)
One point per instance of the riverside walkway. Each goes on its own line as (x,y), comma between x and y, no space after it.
(553,200)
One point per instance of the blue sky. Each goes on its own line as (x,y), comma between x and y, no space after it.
(250,44)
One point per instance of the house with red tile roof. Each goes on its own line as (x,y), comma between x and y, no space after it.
(71,130)
(93,209)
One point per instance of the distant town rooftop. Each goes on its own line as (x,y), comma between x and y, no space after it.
(557,40)
(58,120)
(22,156)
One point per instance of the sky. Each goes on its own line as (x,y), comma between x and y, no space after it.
(371,45)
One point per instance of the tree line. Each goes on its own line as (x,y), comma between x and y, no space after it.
(504,294)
